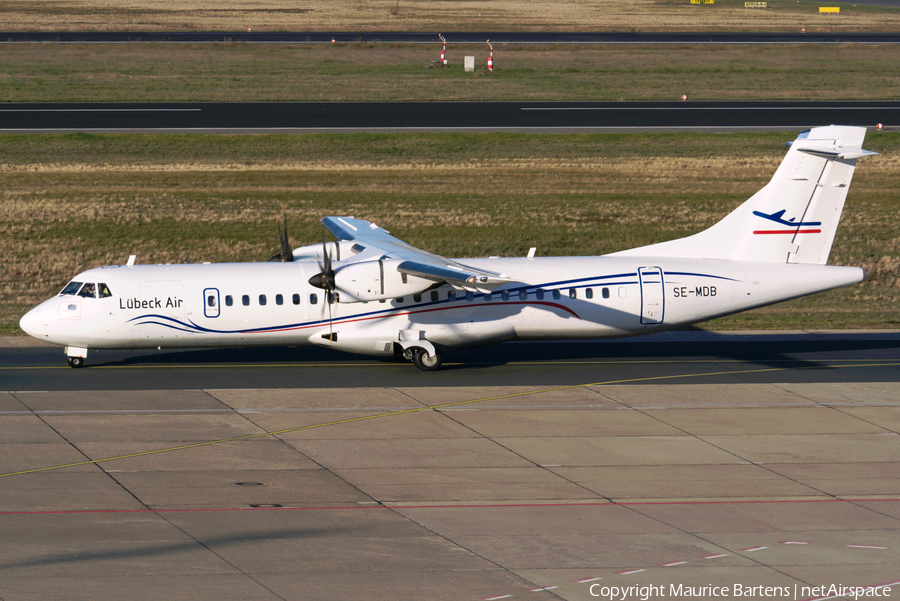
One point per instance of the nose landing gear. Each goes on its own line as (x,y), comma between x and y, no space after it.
(76,356)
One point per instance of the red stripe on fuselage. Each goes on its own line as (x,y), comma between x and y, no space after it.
(339,321)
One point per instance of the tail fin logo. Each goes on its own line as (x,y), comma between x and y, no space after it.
(790,223)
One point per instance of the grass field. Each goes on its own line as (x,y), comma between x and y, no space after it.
(438,15)
(71,202)
(348,72)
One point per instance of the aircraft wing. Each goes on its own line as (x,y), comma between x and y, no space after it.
(373,240)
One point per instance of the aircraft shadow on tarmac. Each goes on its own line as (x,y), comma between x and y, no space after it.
(116,552)
(758,349)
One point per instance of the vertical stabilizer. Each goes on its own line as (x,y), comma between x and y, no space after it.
(791,220)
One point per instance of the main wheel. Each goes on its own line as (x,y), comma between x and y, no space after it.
(424,362)
(76,361)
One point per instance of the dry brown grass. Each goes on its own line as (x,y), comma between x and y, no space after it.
(435,15)
(369,72)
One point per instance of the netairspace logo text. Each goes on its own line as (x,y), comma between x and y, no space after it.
(650,591)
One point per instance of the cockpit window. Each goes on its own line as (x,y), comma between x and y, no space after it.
(104,291)
(72,288)
(88,291)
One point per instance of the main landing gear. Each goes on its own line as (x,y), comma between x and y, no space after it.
(76,361)
(422,360)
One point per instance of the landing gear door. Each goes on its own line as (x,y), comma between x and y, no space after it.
(211,302)
(653,302)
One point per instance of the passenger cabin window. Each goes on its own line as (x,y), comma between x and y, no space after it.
(523,295)
(435,295)
(589,292)
(279,300)
(417,298)
(573,293)
(262,300)
(451,295)
(103,291)
(556,295)
(605,293)
(539,294)
(504,295)
(400,300)
(88,291)
(313,298)
(71,288)
(211,300)
(295,299)
(228,300)
(470,296)
(487,296)
(245,300)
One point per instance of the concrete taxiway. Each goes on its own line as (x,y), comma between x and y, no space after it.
(449,492)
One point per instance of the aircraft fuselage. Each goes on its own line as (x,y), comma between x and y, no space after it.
(250,304)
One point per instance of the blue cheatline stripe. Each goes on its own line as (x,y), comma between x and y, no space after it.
(193,327)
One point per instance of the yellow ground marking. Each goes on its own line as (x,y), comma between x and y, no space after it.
(432,408)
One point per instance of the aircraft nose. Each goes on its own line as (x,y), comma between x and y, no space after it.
(31,322)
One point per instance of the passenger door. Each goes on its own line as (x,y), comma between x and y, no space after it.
(653,302)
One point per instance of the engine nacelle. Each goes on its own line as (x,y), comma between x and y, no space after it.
(336,250)
(376,280)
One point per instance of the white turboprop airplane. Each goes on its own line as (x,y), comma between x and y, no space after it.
(373,294)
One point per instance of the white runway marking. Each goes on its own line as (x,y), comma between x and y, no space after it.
(626,572)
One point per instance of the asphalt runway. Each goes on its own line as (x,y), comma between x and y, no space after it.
(236,117)
(232,476)
(663,359)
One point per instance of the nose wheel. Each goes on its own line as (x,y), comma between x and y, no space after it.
(76,361)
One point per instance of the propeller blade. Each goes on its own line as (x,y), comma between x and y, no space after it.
(285,243)
(327,268)
(325,279)
(286,255)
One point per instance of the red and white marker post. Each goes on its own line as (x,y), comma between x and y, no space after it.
(443,51)
(490,58)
